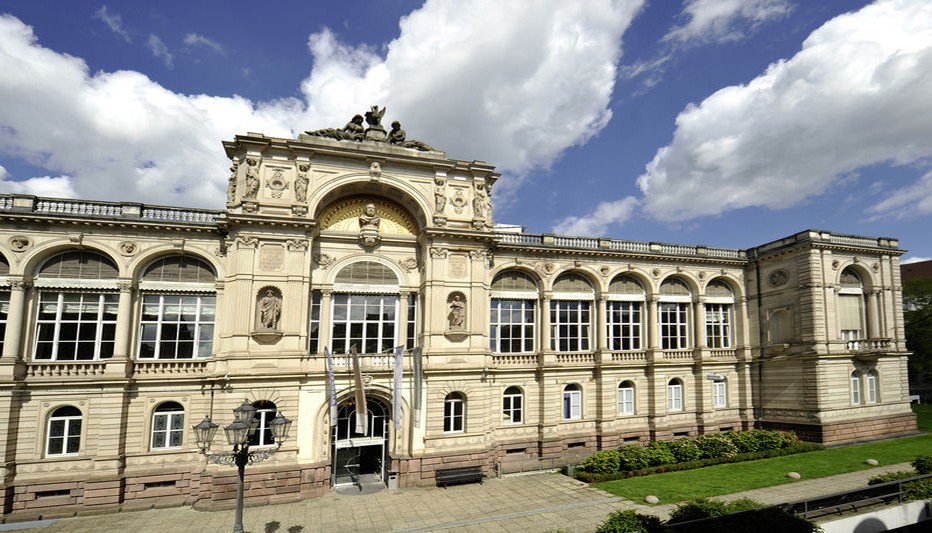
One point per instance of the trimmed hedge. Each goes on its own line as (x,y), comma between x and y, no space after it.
(630,522)
(685,454)
(715,516)
(923,464)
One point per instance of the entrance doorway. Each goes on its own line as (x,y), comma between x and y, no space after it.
(359,459)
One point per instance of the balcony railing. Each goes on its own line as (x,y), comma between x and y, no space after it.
(590,243)
(65,369)
(91,209)
(629,357)
(868,345)
(163,367)
(514,359)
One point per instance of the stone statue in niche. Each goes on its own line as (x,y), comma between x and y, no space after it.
(369,226)
(231,187)
(457,314)
(270,310)
(479,203)
(301,182)
(440,197)
(252,178)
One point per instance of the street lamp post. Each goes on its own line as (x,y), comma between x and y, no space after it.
(238,432)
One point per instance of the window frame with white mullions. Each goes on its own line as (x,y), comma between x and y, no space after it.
(513,313)
(851,307)
(77,302)
(571,313)
(627,398)
(624,306)
(454,413)
(263,437)
(720,394)
(855,380)
(513,405)
(675,396)
(365,309)
(178,309)
(673,316)
(70,420)
(572,402)
(719,315)
(167,432)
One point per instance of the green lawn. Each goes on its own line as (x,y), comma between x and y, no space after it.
(729,478)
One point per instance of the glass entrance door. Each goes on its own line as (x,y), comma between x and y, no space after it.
(359,458)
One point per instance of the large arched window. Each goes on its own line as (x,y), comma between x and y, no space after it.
(571,314)
(851,307)
(511,324)
(675,395)
(454,413)
(625,314)
(77,312)
(64,431)
(626,398)
(719,313)
(167,426)
(178,309)
(673,314)
(365,308)
(513,405)
(265,413)
(572,402)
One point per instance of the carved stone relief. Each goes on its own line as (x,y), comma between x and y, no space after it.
(296,245)
(277,183)
(269,309)
(778,278)
(252,178)
(458,201)
(19,243)
(324,261)
(456,317)
(129,248)
(301,183)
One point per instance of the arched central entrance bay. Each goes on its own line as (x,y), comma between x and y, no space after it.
(360,459)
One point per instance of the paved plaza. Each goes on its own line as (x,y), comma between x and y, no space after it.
(532,503)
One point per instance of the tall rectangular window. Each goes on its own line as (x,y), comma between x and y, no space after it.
(512,405)
(4,313)
(719,394)
(871,387)
(624,325)
(569,325)
(366,320)
(511,326)
(674,326)
(674,396)
(177,326)
(572,402)
(718,325)
(855,388)
(411,329)
(75,326)
(313,329)
(454,413)
(626,399)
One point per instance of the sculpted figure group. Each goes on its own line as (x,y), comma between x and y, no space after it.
(354,131)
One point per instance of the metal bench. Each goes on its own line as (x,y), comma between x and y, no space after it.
(453,476)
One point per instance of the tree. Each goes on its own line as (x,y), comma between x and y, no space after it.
(917,303)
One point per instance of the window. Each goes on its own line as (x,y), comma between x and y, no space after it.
(673,311)
(855,388)
(624,316)
(366,320)
(313,337)
(512,408)
(572,402)
(872,386)
(454,413)
(675,395)
(4,313)
(850,308)
(75,326)
(411,331)
(64,437)
(178,309)
(570,313)
(167,426)
(265,413)
(718,314)
(626,398)
(719,394)
(177,327)
(512,316)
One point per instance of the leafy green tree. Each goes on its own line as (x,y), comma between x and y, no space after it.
(917,301)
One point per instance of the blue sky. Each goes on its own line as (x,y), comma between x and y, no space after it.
(721,122)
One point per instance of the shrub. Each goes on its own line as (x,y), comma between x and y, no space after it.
(890,476)
(715,445)
(603,462)
(789,439)
(658,453)
(918,490)
(630,522)
(684,450)
(923,464)
(696,509)
(633,457)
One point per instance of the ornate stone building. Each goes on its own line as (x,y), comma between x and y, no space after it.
(124,324)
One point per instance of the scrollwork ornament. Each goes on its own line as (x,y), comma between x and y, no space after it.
(297,245)
(439,253)
(409,264)
(277,183)
(324,261)
(778,278)
(245,241)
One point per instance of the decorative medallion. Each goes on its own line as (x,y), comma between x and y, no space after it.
(324,261)
(19,243)
(277,183)
(778,278)
(458,201)
(129,248)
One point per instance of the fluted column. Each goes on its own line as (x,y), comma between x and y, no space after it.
(326,320)
(403,318)
(124,324)
(545,324)
(601,325)
(14,322)
(653,326)
(699,323)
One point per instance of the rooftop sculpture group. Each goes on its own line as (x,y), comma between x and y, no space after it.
(355,131)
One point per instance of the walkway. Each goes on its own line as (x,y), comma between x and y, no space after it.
(531,503)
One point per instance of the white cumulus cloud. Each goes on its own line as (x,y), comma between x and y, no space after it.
(725,20)
(858,93)
(515,83)
(599,220)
